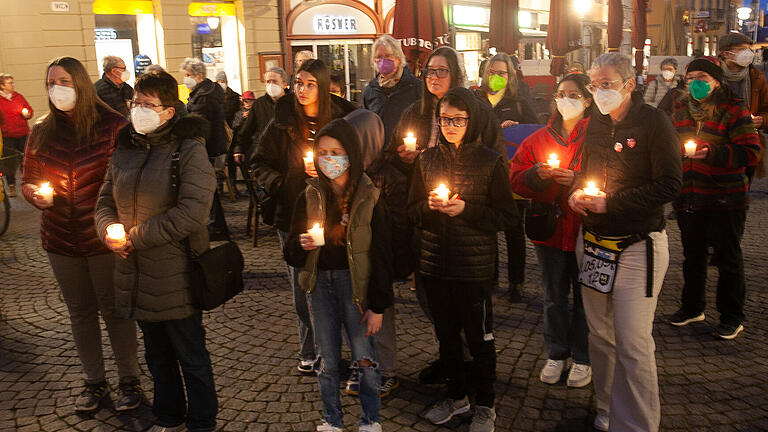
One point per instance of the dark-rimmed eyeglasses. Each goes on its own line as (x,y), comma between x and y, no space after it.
(149,105)
(453,121)
(440,73)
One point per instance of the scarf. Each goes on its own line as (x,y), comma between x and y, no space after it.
(700,110)
(495,98)
(6,95)
(740,79)
(391,82)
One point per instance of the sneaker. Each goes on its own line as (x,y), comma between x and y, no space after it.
(514,294)
(601,422)
(579,376)
(91,396)
(12,191)
(552,371)
(306,366)
(432,374)
(325,427)
(484,420)
(129,396)
(158,428)
(728,331)
(443,411)
(373,427)
(353,384)
(682,318)
(389,384)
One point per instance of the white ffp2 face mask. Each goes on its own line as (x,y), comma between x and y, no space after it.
(125,76)
(63,98)
(145,120)
(667,74)
(608,100)
(273,90)
(190,82)
(569,108)
(744,57)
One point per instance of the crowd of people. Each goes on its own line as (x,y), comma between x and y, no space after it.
(420,171)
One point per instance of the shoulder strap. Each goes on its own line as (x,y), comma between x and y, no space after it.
(175,183)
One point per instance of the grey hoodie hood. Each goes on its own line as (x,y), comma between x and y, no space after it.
(370,132)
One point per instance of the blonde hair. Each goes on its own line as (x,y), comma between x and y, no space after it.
(391,45)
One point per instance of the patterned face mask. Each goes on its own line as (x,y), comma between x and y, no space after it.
(333,166)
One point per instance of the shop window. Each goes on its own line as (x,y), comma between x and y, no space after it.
(215,40)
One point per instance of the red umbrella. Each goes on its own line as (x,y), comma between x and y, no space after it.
(504,31)
(615,24)
(639,32)
(421,27)
(563,34)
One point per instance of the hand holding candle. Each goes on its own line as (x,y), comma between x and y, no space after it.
(45,194)
(410,142)
(591,190)
(690,148)
(25,112)
(317,235)
(309,164)
(553,161)
(441,194)
(116,234)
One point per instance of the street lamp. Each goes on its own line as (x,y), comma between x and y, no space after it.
(582,7)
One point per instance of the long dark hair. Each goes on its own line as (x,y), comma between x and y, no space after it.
(451,57)
(581,81)
(319,70)
(511,90)
(85,114)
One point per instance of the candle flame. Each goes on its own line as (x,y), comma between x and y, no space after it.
(310,155)
(316,227)
(591,185)
(410,135)
(45,187)
(553,156)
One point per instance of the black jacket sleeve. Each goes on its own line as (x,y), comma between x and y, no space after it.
(380,293)
(418,208)
(528,116)
(266,160)
(246,131)
(394,190)
(492,133)
(293,253)
(500,213)
(666,172)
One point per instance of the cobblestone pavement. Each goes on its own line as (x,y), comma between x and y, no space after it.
(706,384)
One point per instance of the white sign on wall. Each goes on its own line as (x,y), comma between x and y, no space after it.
(60,6)
(326,24)
(332,19)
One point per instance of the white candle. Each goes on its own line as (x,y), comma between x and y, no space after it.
(116,232)
(553,161)
(410,142)
(46,191)
(591,189)
(442,193)
(309,161)
(690,148)
(24,112)
(317,235)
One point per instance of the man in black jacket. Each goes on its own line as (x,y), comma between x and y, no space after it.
(112,87)
(261,113)
(231,98)
(632,156)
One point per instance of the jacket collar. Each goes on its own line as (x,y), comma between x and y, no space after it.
(187,127)
(110,82)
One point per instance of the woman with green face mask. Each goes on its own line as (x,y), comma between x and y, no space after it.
(719,143)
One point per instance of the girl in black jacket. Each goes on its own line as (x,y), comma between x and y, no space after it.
(458,248)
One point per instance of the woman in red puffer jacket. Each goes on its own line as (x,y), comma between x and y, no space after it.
(69,148)
(14,113)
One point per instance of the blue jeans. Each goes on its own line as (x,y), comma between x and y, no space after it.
(170,344)
(565,333)
(332,307)
(306,335)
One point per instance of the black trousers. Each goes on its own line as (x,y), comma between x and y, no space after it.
(457,306)
(11,147)
(515,237)
(723,230)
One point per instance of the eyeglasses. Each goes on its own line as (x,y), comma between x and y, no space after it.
(574,95)
(453,121)
(135,104)
(440,73)
(497,72)
(605,85)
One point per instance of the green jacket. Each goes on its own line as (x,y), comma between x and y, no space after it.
(358,237)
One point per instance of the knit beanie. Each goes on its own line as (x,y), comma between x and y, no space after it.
(710,65)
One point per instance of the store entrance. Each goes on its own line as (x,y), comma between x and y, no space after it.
(351,59)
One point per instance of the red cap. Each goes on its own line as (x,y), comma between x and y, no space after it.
(248,95)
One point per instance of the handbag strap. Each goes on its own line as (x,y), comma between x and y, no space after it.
(175,184)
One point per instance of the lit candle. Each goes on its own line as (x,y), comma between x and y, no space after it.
(24,112)
(553,161)
(317,235)
(410,142)
(46,191)
(591,189)
(116,232)
(690,148)
(442,193)
(309,161)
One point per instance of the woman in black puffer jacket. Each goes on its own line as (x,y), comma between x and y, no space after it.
(458,247)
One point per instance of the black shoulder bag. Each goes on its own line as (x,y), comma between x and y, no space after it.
(217,274)
(541,218)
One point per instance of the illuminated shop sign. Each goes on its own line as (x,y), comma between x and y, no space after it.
(327,24)
(105,34)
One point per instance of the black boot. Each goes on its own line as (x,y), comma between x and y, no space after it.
(515,293)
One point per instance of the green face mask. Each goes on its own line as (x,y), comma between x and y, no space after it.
(699,89)
(496,82)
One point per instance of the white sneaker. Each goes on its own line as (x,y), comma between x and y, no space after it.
(552,371)
(601,422)
(325,427)
(373,427)
(579,376)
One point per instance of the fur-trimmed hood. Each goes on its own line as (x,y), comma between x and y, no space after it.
(178,128)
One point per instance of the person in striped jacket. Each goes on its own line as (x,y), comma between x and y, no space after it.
(712,206)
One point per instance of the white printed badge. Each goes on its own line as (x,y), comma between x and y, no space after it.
(598,266)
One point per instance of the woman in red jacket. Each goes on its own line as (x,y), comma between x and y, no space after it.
(533,176)
(69,148)
(14,113)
